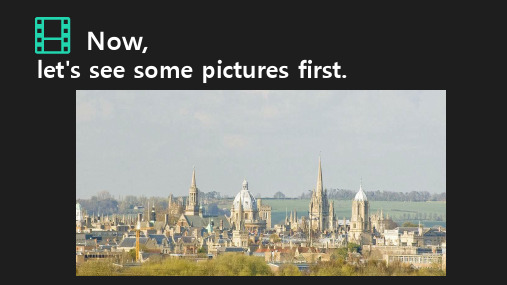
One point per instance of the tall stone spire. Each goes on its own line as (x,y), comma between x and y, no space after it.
(193,185)
(192,207)
(319,187)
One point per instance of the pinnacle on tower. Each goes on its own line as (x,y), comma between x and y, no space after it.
(193,179)
(319,187)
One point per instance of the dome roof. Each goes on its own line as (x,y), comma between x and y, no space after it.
(360,196)
(247,199)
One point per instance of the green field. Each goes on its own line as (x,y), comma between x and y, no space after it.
(429,213)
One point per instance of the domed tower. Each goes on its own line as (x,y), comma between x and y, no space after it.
(249,203)
(245,204)
(360,222)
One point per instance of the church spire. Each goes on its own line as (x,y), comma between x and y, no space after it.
(193,179)
(319,180)
(192,207)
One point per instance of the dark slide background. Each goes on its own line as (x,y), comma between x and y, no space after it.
(378,47)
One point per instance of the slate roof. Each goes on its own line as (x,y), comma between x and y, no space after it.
(230,249)
(434,232)
(159,238)
(187,239)
(197,221)
(131,242)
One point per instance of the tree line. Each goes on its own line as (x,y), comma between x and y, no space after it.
(413,196)
(105,203)
(232,264)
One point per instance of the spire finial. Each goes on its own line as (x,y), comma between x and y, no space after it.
(193,184)
(319,187)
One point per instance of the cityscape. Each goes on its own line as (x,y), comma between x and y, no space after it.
(261,183)
(295,247)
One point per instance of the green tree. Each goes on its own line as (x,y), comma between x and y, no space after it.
(289,270)
(132,252)
(340,253)
(233,264)
(274,238)
(354,247)
(97,268)
(409,224)
(328,268)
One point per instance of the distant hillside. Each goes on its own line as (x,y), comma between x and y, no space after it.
(413,196)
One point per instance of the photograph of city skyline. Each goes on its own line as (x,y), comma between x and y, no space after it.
(261,183)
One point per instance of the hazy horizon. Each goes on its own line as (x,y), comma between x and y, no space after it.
(146,142)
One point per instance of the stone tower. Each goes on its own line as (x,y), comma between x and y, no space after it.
(360,221)
(319,206)
(264,212)
(332,218)
(192,208)
(153,215)
(239,234)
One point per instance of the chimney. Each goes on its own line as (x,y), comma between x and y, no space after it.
(166,219)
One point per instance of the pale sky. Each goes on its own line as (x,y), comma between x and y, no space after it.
(146,142)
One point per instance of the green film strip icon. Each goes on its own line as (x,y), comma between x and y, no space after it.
(52,35)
